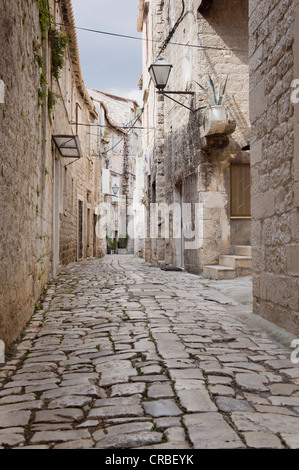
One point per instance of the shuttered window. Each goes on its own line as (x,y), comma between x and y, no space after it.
(240,190)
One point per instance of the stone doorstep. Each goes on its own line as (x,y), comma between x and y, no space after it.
(241,250)
(235,261)
(218,272)
(239,263)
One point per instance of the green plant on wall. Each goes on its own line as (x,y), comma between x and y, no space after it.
(42,93)
(45,17)
(43,79)
(40,60)
(52,100)
(59,42)
(41,97)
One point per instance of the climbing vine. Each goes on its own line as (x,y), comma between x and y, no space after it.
(52,99)
(45,17)
(59,42)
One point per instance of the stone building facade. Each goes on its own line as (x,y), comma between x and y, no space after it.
(48,196)
(119,122)
(206,175)
(274,113)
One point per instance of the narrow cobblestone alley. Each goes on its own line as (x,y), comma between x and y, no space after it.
(121,355)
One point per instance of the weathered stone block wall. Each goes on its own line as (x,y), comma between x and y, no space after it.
(38,195)
(217,44)
(24,180)
(275,228)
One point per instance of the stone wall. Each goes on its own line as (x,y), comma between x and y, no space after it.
(22,174)
(217,44)
(275,216)
(39,189)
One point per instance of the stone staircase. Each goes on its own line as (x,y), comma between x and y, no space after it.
(230,266)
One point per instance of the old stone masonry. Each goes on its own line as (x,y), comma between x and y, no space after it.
(122,355)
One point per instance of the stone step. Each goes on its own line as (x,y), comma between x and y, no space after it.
(218,272)
(241,250)
(235,261)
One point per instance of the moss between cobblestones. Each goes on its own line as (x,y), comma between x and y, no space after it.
(282,440)
(162,431)
(145,392)
(176,398)
(227,418)
(28,433)
(186,432)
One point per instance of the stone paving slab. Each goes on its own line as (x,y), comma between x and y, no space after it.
(59,436)
(11,439)
(124,441)
(11,419)
(124,355)
(211,431)
(158,408)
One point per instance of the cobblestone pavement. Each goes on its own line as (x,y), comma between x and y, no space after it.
(123,355)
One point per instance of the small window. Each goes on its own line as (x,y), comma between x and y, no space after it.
(78,119)
(240,190)
(115,142)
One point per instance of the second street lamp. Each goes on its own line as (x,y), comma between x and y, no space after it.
(115,189)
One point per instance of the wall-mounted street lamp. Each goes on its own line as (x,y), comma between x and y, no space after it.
(115,189)
(159,72)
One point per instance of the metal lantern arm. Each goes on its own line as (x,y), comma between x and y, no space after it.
(159,72)
(192,93)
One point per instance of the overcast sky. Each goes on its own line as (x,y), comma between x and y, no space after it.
(109,63)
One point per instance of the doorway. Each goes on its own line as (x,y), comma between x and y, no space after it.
(179,241)
(56,218)
(80,229)
(95,221)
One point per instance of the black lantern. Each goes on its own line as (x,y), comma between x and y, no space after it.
(115,189)
(159,72)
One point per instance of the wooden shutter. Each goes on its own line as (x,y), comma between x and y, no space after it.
(240,190)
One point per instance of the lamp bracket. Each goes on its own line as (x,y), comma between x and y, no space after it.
(167,93)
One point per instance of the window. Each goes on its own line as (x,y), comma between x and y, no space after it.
(78,119)
(68,84)
(240,190)
(115,141)
(147,39)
